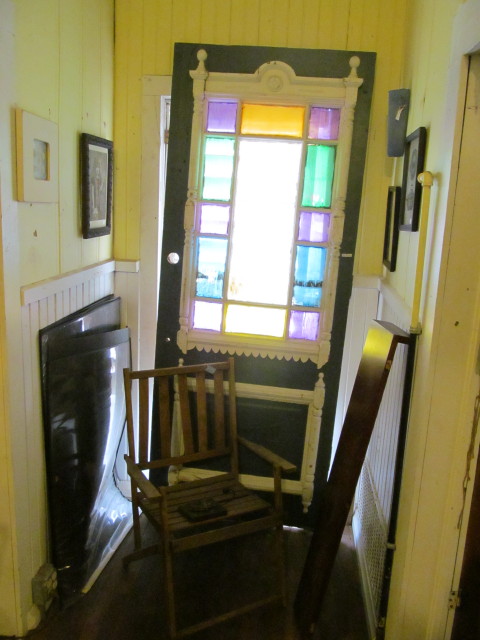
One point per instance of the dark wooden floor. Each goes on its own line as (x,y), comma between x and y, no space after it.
(127,605)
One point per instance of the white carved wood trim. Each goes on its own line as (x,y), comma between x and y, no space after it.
(69,281)
(273,82)
(313,399)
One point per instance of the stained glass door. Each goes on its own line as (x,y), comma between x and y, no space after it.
(257,230)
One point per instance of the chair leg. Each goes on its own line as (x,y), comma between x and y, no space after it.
(280,548)
(137,535)
(169,590)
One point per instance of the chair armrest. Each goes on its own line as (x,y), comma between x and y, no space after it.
(268,455)
(146,487)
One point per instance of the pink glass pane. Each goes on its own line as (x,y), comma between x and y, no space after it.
(303,325)
(313,227)
(207,315)
(324,123)
(222,117)
(214,219)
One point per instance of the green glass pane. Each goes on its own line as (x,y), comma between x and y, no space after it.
(317,184)
(218,168)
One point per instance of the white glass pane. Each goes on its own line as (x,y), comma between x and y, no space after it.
(207,315)
(258,321)
(264,215)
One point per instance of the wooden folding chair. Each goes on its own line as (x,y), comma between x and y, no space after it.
(196,407)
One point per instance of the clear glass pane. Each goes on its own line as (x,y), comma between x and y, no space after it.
(217,175)
(303,325)
(214,218)
(313,226)
(309,270)
(317,186)
(265,202)
(272,120)
(221,117)
(207,315)
(212,255)
(258,321)
(324,123)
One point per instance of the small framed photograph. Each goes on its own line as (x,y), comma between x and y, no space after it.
(97,182)
(37,158)
(390,244)
(413,163)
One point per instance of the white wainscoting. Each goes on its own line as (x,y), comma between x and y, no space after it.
(373,500)
(42,304)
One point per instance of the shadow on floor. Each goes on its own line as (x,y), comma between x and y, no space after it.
(127,605)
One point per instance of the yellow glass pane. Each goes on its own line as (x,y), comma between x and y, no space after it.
(271,120)
(260,321)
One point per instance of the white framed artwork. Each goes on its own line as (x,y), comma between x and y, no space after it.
(37,158)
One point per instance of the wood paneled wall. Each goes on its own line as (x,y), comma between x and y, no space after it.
(146,31)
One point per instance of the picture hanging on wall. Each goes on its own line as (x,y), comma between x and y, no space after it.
(96,156)
(37,158)
(413,163)
(390,244)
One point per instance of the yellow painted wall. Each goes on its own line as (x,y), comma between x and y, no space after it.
(56,62)
(64,73)
(146,31)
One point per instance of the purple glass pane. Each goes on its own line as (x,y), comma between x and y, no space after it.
(313,227)
(214,218)
(303,325)
(324,123)
(222,117)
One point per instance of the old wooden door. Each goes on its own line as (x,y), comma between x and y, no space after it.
(287,395)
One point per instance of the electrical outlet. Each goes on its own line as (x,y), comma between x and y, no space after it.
(44,586)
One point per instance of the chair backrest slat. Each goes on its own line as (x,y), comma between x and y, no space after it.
(143,420)
(185,413)
(219,403)
(201,393)
(198,398)
(165,420)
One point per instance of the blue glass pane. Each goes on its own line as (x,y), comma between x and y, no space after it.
(212,254)
(309,272)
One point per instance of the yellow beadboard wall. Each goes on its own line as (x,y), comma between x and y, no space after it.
(64,73)
(146,31)
(427,60)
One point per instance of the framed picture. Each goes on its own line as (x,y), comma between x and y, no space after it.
(37,158)
(411,189)
(390,244)
(97,182)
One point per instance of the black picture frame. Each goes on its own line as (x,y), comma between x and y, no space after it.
(96,156)
(413,164)
(392,218)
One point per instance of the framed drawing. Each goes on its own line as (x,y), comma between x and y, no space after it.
(97,181)
(37,158)
(413,162)
(390,243)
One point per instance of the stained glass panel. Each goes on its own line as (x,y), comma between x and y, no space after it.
(317,186)
(265,203)
(308,279)
(303,325)
(214,218)
(212,255)
(260,321)
(323,123)
(217,176)
(221,117)
(313,226)
(260,119)
(207,315)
